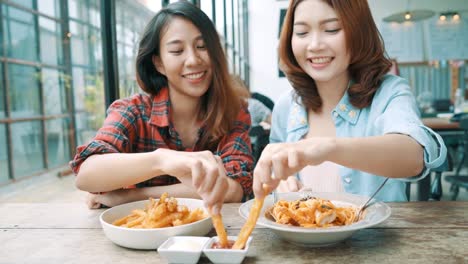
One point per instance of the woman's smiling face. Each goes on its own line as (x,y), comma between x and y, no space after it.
(184,59)
(318,41)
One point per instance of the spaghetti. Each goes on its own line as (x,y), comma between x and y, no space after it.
(313,212)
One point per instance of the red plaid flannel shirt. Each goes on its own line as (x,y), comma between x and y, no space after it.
(141,124)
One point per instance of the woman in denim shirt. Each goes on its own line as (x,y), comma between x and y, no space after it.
(347,124)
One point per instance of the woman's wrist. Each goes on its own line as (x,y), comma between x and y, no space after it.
(157,159)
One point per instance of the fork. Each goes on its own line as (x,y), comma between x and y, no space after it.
(366,204)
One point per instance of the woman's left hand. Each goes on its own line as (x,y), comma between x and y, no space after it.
(109,199)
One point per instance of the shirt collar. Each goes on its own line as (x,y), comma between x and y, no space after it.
(160,108)
(346,110)
(297,117)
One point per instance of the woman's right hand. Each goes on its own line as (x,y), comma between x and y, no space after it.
(202,171)
(291,184)
(285,159)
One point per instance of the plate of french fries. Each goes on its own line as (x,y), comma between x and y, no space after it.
(322,219)
(147,224)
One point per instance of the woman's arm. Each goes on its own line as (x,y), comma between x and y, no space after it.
(107,172)
(236,154)
(391,155)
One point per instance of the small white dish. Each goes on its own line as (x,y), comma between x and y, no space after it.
(183,249)
(227,256)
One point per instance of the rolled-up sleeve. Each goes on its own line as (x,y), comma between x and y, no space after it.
(112,137)
(236,152)
(400,116)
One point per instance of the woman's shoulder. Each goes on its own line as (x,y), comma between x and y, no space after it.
(285,101)
(135,103)
(392,86)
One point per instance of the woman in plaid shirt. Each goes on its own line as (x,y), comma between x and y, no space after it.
(188,136)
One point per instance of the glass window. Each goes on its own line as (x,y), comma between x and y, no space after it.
(58,142)
(79,88)
(3,155)
(206,6)
(95,56)
(229,22)
(79,43)
(77,10)
(51,41)
(19,34)
(89,102)
(49,7)
(27,148)
(54,92)
(24,91)
(220,18)
(131,19)
(2,93)
(94,14)
(25,3)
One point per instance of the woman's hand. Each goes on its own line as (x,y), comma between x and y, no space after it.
(202,171)
(285,159)
(291,184)
(109,199)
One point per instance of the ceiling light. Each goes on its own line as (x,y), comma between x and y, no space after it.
(455,16)
(412,15)
(408,16)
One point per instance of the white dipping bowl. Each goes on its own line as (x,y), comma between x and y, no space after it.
(139,238)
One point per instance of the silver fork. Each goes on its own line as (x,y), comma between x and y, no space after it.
(366,204)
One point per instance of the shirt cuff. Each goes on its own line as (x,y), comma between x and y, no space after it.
(435,151)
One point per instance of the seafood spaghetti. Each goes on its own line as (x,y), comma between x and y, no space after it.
(313,212)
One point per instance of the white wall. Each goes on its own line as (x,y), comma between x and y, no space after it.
(263,34)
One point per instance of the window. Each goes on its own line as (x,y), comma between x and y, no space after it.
(24,91)
(19,34)
(3,155)
(58,142)
(27,148)
(131,20)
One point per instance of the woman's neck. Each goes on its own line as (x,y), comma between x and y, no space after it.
(184,109)
(332,91)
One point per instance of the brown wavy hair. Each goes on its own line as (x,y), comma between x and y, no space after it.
(368,64)
(220,103)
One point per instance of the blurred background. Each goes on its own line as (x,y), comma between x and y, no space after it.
(62,62)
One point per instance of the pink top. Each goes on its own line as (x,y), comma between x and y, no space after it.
(322,178)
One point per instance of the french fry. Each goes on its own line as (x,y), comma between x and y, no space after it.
(220,230)
(251,221)
(164,213)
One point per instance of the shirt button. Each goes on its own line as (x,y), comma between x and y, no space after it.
(347,180)
(335,114)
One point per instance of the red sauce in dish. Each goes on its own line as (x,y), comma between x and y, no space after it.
(217,245)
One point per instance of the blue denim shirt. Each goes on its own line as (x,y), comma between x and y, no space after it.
(393,110)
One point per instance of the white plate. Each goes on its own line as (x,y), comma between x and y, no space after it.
(316,237)
(139,238)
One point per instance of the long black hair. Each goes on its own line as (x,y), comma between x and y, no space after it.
(220,103)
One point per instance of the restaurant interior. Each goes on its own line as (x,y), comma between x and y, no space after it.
(63,62)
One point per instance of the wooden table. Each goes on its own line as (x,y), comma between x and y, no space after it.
(416,232)
(440,124)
